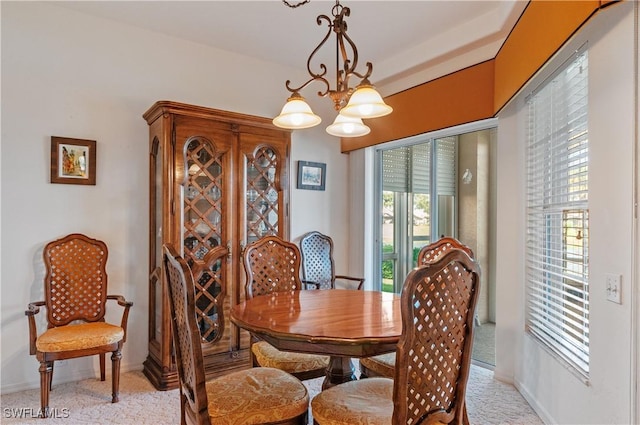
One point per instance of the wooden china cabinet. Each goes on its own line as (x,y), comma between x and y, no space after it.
(218,180)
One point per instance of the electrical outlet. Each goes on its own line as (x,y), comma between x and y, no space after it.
(613,286)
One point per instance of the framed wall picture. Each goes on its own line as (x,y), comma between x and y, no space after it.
(73,161)
(311,175)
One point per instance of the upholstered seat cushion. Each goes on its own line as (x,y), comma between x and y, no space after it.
(256,396)
(269,356)
(364,402)
(78,337)
(367,401)
(382,365)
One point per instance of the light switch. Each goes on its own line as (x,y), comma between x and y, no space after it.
(613,286)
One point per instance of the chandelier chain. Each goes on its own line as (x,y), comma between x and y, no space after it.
(293,6)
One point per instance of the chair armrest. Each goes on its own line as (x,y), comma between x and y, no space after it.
(354,279)
(307,283)
(125,314)
(32,310)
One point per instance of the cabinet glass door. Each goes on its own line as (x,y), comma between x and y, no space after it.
(155,279)
(262,204)
(202,210)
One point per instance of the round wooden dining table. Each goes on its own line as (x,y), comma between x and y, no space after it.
(338,322)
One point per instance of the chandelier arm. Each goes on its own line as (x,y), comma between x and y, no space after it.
(319,20)
(340,28)
(342,75)
(323,68)
(365,77)
(349,65)
(318,77)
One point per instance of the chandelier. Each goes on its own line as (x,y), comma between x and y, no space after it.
(353,104)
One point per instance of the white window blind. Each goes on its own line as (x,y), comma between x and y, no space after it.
(395,170)
(421,168)
(407,169)
(557,250)
(446,174)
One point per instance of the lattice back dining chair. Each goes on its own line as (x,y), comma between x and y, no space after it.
(253,396)
(433,355)
(384,364)
(273,265)
(75,291)
(318,264)
(432,252)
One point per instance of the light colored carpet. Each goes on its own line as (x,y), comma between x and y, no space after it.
(88,402)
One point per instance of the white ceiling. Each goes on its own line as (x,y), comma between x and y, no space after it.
(398,37)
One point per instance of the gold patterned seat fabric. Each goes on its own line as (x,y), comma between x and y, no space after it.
(269,356)
(432,359)
(364,402)
(381,365)
(79,337)
(257,396)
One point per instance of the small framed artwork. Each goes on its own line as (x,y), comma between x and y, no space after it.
(311,175)
(73,161)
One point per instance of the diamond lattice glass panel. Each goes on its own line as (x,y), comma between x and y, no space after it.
(202,208)
(262,194)
(209,309)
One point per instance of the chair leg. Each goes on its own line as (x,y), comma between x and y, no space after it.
(46,369)
(51,377)
(183,413)
(252,357)
(254,361)
(465,415)
(115,375)
(102,361)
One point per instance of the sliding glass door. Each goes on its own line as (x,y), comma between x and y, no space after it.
(417,201)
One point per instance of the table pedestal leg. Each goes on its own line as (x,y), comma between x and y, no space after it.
(340,370)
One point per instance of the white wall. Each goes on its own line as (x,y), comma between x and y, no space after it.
(73,75)
(558,395)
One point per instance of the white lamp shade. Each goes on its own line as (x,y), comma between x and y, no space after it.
(347,127)
(296,114)
(366,102)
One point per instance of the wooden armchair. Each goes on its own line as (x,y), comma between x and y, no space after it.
(433,356)
(75,289)
(384,364)
(253,396)
(273,265)
(317,262)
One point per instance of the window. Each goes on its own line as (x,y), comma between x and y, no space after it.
(557,248)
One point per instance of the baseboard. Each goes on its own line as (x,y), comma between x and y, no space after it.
(533,402)
(483,365)
(507,379)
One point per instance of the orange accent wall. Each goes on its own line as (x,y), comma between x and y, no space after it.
(480,91)
(464,96)
(542,29)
